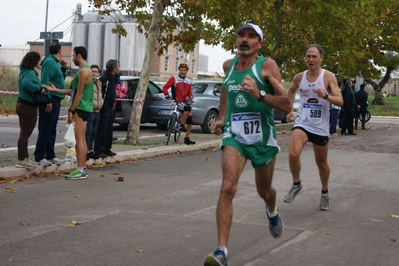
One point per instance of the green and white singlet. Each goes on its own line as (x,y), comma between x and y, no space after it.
(247,120)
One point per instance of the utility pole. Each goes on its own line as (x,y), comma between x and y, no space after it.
(46,40)
(48,37)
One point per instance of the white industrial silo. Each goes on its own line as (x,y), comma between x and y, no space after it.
(127,47)
(111,43)
(79,37)
(91,16)
(141,44)
(95,44)
(131,54)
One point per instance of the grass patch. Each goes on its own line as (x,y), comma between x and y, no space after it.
(390,107)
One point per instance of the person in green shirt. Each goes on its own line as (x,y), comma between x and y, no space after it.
(53,71)
(81,106)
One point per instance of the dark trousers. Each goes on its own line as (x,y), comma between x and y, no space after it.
(103,141)
(27,121)
(347,123)
(362,116)
(47,131)
(333,120)
(91,129)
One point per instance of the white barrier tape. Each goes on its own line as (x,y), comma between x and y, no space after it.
(131,100)
(9,92)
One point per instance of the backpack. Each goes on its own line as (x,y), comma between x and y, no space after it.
(98,99)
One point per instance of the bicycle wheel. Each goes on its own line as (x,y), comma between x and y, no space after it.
(367,116)
(171,127)
(177,132)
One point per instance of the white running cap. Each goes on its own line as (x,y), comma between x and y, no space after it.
(251,26)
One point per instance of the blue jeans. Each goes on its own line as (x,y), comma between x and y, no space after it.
(47,131)
(91,129)
(333,120)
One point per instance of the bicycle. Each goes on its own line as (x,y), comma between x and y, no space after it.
(173,123)
(366,117)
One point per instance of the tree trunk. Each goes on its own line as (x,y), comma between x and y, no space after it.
(378,99)
(135,117)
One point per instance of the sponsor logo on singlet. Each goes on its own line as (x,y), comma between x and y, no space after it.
(234,88)
(241,101)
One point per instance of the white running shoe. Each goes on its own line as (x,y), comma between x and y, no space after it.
(71,158)
(44,163)
(57,161)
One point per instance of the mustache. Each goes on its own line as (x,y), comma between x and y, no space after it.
(244,44)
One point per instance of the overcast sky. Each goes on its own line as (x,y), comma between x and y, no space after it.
(23,20)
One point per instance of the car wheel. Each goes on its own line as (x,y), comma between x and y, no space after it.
(162,126)
(210,117)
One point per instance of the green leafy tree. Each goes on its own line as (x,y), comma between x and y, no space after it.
(356,35)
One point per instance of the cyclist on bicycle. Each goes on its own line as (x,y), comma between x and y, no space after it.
(182,93)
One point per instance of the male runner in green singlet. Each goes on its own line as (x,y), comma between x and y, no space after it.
(82,105)
(252,87)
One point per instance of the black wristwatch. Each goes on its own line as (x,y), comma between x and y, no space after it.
(325,97)
(262,95)
(72,111)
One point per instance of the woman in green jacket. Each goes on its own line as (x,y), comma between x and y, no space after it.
(28,85)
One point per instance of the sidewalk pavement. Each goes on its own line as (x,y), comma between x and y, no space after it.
(149,146)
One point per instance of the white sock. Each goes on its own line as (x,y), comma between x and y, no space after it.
(274,213)
(224,249)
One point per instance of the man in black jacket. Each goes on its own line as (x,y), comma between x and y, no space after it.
(361,104)
(103,141)
(348,108)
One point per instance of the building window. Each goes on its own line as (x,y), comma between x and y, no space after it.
(192,66)
(177,51)
(166,63)
(177,65)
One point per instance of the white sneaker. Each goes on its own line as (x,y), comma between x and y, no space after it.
(71,158)
(32,162)
(25,164)
(44,163)
(57,161)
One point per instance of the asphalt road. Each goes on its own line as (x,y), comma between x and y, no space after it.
(163,213)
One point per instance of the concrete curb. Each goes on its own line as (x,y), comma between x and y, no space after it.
(12,171)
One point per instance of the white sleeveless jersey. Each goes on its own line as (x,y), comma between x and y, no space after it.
(313,113)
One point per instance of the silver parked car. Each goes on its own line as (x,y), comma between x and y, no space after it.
(154,100)
(205,108)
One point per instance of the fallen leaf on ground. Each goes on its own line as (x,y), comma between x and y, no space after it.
(75,222)
(120,179)
(394,216)
(66,190)
(329,233)
(139,251)
(4,145)
(77,196)
(25,224)
(71,226)
(10,190)
(393,240)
